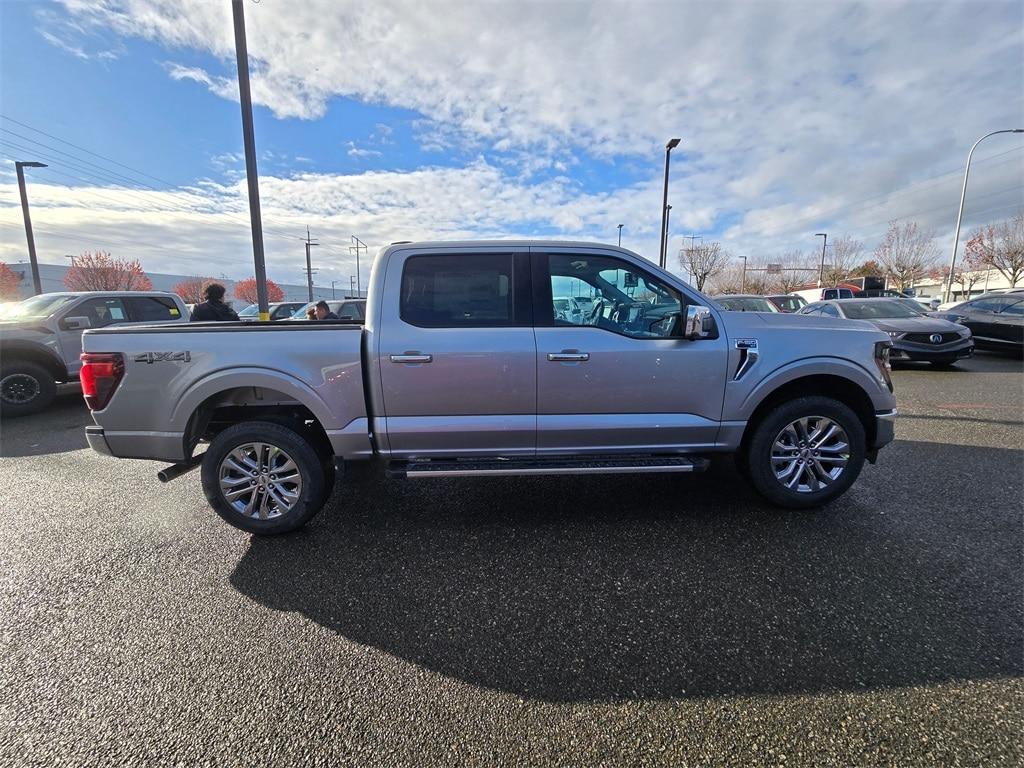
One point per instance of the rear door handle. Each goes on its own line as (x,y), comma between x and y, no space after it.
(410,358)
(568,357)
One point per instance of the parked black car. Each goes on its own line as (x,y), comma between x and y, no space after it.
(997,321)
(914,336)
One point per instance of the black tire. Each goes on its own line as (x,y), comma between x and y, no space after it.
(20,380)
(759,447)
(310,495)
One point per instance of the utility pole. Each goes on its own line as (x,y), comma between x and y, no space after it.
(620,234)
(19,166)
(821,269)
(351,285)
(309,265)
(334,295)
(357,244)
(251,174)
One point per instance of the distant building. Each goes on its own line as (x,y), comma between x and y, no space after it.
(988,280)
(52,279)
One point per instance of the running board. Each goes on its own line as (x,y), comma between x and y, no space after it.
(559,465)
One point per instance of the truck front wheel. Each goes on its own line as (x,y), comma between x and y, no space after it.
(806,452)
(263,477)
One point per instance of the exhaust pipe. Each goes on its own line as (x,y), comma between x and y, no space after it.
(174,471)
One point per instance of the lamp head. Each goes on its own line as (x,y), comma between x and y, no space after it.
(672,143)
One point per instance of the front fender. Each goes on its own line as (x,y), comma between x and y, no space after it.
(869,381)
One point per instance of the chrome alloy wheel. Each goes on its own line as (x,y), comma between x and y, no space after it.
(260,480)
(18,388)
(810,453)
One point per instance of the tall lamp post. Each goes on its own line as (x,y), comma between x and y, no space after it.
(37,285)
(960,215)
(821,268)
(620,234)
(743,275)
(672,144)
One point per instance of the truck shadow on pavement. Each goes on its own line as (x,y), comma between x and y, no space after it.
(58,429)
(661,587)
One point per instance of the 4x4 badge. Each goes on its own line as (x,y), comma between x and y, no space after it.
(159,357)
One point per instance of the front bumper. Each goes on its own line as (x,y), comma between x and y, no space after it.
(957,350)
(97,440)
(885,429)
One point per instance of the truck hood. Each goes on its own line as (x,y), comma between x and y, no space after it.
(741,323)
(27,326)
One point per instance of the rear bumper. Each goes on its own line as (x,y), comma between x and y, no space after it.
(885,429)
(158,446)
(97,440)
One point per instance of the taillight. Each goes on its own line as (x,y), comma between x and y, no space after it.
(100,374)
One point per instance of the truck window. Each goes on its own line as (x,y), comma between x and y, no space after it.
(100,312)
(452,291)
(152,309)
(615,296)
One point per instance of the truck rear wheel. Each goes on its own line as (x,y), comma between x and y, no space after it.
(25,388)
(263,477)
(806,452)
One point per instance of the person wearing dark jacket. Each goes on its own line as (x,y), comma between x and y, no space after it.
(323,311)
(213,308)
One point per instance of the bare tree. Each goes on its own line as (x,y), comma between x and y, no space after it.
(797,268)
(973,265)
(703,261)
(1002,247)
(906,253)
(843,258)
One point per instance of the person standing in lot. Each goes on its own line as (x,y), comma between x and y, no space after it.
(213,306)
(323,311)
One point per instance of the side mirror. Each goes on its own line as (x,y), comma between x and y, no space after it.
(77,323)
(700,323)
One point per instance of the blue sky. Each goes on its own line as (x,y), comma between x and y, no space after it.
(398,121)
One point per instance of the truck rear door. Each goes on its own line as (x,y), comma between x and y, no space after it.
(456,353)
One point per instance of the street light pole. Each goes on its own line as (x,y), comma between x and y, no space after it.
(821,269)
(251,174)
(960,215)
(743,275)
(19,166)
(357,244)
(668,216)
(672,144)
(620,235)
(334,295)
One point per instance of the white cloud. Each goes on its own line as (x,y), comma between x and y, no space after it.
(794,116)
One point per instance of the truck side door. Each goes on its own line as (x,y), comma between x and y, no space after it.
(98,312)
(456,353)
(622,379)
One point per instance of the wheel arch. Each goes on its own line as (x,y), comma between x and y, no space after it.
(841,388)
(30,352)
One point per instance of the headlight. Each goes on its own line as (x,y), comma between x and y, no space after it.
(965,333)
(882,349)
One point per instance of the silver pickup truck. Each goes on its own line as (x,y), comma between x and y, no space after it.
(464,365)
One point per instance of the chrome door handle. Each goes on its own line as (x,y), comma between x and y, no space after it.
(411,358)
(568,357)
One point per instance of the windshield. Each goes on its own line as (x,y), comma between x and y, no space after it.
(251,311)
(860,309)
(789,303)
(40,306)
(746,304)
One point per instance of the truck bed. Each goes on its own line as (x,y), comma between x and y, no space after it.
(175,374)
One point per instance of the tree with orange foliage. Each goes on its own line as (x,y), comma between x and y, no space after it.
(8,283)
(191,290)
(100,271)
(246,291)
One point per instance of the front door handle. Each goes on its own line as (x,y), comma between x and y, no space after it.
(411,358)
(568,357)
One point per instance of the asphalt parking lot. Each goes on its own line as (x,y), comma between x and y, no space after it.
(649,620)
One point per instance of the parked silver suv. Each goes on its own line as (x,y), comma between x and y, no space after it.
(41,338)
